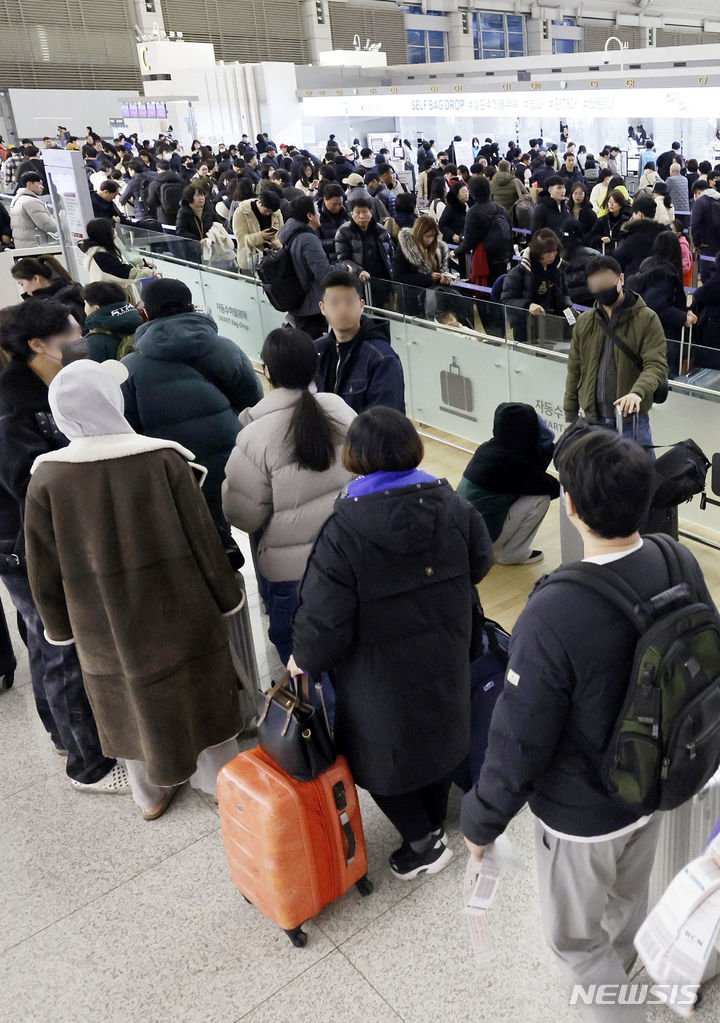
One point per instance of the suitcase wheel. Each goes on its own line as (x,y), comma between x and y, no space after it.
(298,937)
(365,886)
(7,680)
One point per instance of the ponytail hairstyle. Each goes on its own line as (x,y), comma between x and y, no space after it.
(47,267)
(290,359)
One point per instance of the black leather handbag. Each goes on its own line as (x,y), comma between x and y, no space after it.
(292,732)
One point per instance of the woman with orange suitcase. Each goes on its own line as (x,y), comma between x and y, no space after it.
(385,607)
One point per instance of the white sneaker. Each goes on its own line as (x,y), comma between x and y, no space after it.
(406,864)
(115,782)
(532,559)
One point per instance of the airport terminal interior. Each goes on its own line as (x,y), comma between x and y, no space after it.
(263,266)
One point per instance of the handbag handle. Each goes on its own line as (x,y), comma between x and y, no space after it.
(304,693)
(275,688)
(304,687)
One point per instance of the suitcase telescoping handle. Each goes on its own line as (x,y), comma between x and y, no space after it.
(619,424)
(340,798)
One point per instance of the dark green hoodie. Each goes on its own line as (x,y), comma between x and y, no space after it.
(107,326)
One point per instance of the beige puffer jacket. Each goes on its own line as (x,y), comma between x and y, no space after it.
(246,229)
(266,490)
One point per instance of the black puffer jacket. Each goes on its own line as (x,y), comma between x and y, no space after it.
(194,225)
(483,224)
(636,242)
(27,430)
(69,294)
(452,219)
(576,261)
(511,465)
(388,586)
(609,226)
(349,246)
(707,301)
(516,459)
(530,282)
(587,217)
(189,384)
(548,213)
(661,287)
(329,224)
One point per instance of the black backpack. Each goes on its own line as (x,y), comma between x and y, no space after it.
(280,281)
(665,744)
(498,240)
(679,474)
(144,192)
(171,193)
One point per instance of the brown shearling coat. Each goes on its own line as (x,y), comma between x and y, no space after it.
(123,557)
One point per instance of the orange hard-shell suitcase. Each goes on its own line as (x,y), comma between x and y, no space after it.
(292,846)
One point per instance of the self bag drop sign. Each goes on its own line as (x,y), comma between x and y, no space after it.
(691,102)
(439,104)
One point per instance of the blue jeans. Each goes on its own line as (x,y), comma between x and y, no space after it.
(59,692)
(282,602)
(644,436)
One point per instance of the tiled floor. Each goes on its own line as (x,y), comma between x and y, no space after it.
(107,919)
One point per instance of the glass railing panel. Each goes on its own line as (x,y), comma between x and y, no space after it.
(167,253)
(239,308)
(462,354)
(455,305)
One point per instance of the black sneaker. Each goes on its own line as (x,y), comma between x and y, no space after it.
(437,834)
(406,864)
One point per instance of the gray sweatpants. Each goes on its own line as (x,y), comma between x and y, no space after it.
(514,545)
(593,899)
(146,795)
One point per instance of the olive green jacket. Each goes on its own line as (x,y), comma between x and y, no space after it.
(641,330)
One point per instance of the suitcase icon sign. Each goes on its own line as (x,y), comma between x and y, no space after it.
(456,391)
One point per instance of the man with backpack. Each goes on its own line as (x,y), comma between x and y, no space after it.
(305,269)
(486,223)
(137,190)
(587,731)
(165,193)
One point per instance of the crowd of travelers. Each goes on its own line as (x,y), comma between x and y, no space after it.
(134,437)
(521,227)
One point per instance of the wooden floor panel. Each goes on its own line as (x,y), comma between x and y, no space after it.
(505,590)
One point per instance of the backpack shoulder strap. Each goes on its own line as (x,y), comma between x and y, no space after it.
(678,564)
(605,582)
(670,555)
